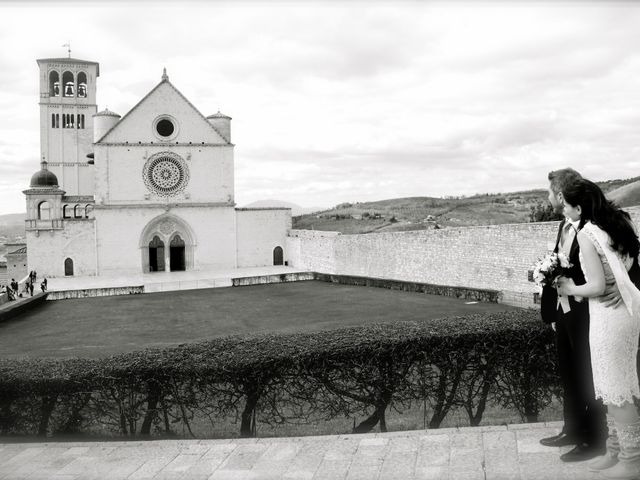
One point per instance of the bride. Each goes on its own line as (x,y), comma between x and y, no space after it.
(608,248)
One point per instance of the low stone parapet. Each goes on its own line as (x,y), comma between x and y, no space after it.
(276,278)
(14,308)
(95,292)
(474,294)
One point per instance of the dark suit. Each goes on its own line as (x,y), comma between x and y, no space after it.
(583,415)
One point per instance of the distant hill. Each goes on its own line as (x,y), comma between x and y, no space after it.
(627,195)
(419,213)
(12,219)
(11,230)
(295,209)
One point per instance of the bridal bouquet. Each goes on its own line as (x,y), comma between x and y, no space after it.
(547,270)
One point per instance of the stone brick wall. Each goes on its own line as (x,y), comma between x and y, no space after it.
(494,257)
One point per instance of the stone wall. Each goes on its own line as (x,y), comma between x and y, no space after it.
(259,232)
(17,267)
(48,249)
(496,257)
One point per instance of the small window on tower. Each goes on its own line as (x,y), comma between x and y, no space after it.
(44,211)
(68,84)
(82,85)
(54,84)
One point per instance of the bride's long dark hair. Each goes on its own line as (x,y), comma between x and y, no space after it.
(603,213)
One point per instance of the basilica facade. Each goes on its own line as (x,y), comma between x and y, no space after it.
(150,191)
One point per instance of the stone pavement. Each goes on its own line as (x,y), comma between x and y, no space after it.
(166,281)
(482,453)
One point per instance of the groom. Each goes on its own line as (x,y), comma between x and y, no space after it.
(585,424)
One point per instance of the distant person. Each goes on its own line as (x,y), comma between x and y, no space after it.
(44,281)
(10,294)
(31,288)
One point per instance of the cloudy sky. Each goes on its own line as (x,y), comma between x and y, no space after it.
(363,101)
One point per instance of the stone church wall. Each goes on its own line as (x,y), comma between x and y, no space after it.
(492,257)
(49,249)
(119,177)
(260,231)
(120,230)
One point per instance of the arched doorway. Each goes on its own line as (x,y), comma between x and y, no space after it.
(278,257)
(68,267)
(156,255)
(174,242)
(176,254)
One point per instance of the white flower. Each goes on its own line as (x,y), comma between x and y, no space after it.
(564,261)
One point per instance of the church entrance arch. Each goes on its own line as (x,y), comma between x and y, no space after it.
(167,243)
(176,254)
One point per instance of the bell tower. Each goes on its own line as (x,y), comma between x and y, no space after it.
(67,106)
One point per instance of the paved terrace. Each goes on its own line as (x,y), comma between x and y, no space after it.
(166,281)
(501,452)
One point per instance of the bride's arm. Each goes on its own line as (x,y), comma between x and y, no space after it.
(594,271)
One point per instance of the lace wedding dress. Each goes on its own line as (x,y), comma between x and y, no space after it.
(613,332)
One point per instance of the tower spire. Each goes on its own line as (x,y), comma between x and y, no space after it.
(164,74)
(68,45)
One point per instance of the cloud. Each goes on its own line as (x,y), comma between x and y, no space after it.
(334,102)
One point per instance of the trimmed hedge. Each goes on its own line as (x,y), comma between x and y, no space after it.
(506,358)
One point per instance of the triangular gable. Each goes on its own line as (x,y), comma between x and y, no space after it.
(164,98)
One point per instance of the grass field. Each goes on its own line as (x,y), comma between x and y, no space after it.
(101,326)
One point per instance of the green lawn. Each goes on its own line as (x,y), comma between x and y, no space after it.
(96,327)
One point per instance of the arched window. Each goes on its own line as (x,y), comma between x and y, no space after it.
(57,120)
(77,211)
(54,84)
(65,212)
(68,267)
(44,211)
(53,120)
(68,84)
(87,210)
(278,256)
(80,122)
(82,85)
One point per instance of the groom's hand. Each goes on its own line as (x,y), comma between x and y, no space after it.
(611,297)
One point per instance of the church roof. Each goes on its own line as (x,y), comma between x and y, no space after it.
(165,79)
(106,113)
(70,60)
(44,178)
(19,251)
(218,114)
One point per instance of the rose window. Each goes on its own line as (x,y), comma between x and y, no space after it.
(165,174)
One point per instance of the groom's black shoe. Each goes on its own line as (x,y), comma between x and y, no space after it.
(559,440)
(582,452)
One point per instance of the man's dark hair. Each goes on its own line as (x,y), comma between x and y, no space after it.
(559,179)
